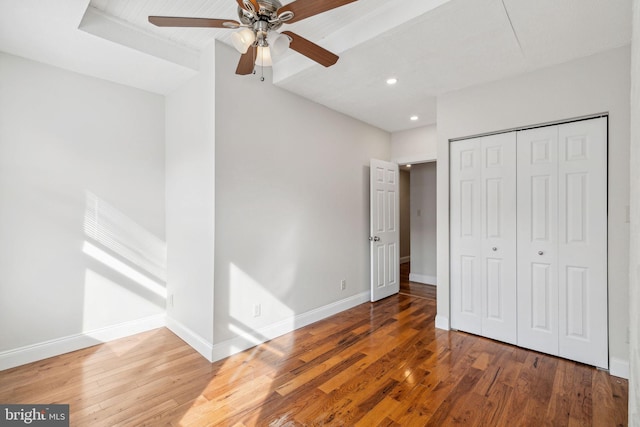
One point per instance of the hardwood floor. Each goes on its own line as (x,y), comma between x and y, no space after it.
(412,288)
(381,364)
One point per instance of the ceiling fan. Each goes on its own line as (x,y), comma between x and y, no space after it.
(259,39)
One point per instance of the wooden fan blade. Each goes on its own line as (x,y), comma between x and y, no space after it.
(305,8)
(173,21)
(245,65)
(254,3)
(311,50)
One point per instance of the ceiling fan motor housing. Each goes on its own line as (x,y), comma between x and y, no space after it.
(268,13)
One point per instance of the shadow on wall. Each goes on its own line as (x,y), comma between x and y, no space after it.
(125,278)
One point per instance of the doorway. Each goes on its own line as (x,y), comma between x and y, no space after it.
(418,229)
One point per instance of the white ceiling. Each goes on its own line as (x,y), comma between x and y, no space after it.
(431,46)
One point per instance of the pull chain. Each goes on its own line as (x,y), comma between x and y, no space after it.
(262,65)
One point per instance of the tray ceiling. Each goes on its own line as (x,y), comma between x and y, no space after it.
(430,46)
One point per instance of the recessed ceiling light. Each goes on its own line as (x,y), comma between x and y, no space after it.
(391,81)
(408,166)
(414,118)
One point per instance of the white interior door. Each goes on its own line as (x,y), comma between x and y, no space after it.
(466,235)
(498,248)
(385,235)
(582,260)
(537,239)
(483,236)
(562,240)
(528,238)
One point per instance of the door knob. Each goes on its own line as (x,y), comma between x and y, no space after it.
(540,253)
(494,249)
(374,239)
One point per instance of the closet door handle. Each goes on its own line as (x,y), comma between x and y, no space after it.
(494,249)
(540,253)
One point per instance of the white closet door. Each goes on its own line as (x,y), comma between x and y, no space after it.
(582,261)
(483,233)
(498,248)
(537,265)
(465,237)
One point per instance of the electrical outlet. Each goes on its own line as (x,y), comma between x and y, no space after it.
(257,310)
(343,284)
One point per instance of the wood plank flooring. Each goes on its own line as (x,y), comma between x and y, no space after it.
(380,364)
(412,288)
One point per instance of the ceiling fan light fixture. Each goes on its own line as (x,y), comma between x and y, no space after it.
(279,44)
(243,39)
(263,57)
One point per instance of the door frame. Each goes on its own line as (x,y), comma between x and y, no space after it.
(416,160)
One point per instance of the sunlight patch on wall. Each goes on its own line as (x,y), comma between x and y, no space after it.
(115,264)
(252,307)
(125,278)
(117,232)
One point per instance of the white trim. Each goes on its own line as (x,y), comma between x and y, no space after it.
(423,278)
(238,344)
(619,367)
(442,322)
(416,159)
(405,259)
(101,24)
(194,340)
(58,346)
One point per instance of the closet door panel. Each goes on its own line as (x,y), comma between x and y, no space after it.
(465,235)
(499,237)
(537,244)
(582,258)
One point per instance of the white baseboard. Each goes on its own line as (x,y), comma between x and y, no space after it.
(405,259)
(248,339)
(423,278)
(34,352)
(320,313)
(194,340)
(442,322)
(619,367)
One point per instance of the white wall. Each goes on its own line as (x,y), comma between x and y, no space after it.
(596,84)
(190,206)
(423,223)
(414,145)
(82,228)
(404,196)
(292,207)
(634,267)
